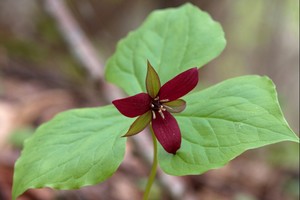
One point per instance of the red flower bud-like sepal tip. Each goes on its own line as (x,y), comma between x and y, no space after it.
(155,106)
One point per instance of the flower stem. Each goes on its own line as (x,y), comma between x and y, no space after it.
(153,169)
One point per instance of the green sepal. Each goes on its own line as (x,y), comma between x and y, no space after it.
(152,81)
(139,124)
(175,106)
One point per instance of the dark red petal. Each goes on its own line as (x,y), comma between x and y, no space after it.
(134,105)
(167,132)
(179,85)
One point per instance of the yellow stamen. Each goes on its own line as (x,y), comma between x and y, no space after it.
(161,113)
(164,100)
(153,115)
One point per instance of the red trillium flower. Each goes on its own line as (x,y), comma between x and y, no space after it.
(155,106)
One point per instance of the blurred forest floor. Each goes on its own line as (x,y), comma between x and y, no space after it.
(40,76)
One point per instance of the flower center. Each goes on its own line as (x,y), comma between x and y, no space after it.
(157,106)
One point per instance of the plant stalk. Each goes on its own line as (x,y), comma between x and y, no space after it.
(152,175)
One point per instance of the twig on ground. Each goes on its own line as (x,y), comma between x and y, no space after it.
(77,41)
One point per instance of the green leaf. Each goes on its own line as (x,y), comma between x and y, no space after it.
(225,120)
(173,40)
(77,148)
